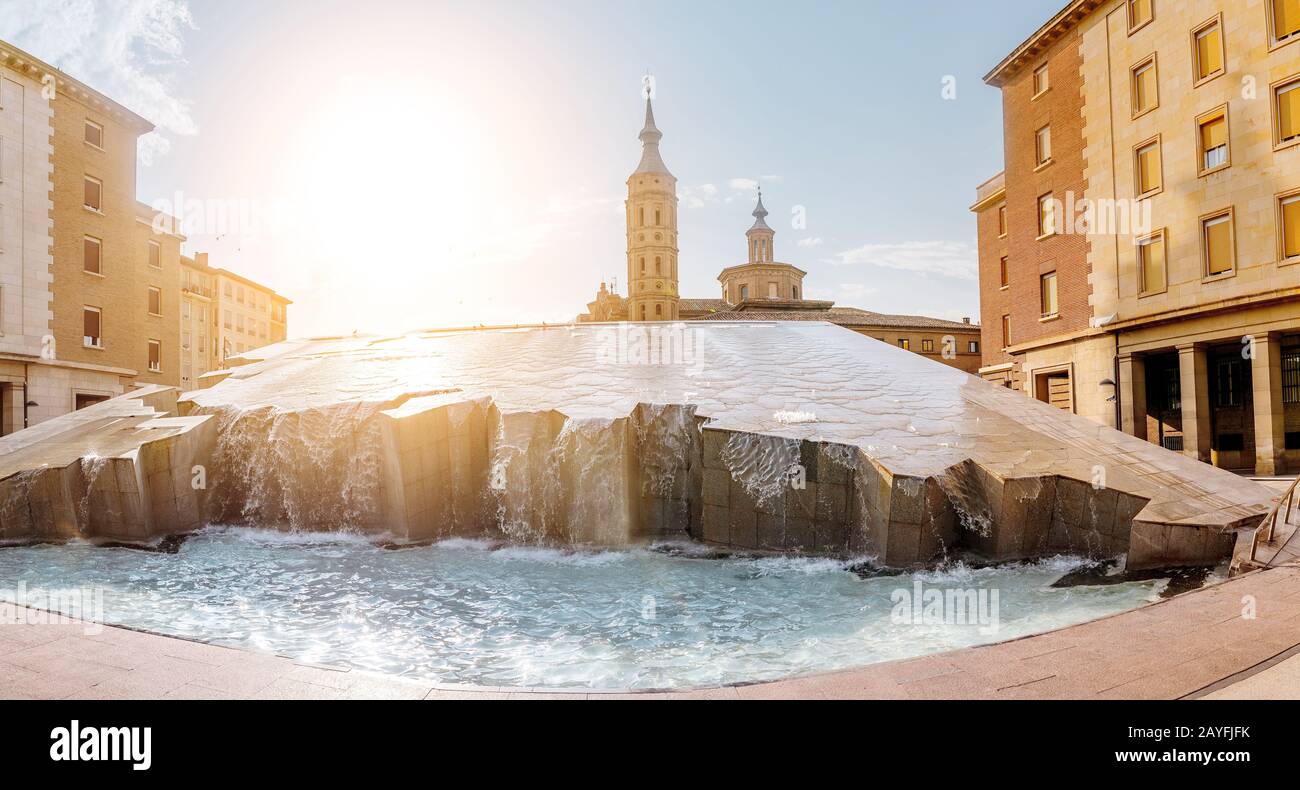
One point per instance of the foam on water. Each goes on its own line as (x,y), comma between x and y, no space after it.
(468,611)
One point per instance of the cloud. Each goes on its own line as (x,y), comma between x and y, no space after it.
(743,184)
(128,50)
(954,259)
(810,242)
(699,196)
(857,290)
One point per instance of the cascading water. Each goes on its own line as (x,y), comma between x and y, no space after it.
(315,469)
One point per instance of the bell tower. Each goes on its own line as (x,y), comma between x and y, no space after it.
(652,293)
(760,236)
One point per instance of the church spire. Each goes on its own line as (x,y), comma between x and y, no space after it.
(651,161)
(760,214)
(760,237)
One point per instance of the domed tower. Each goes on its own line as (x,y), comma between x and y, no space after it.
(760,236)
(652,293)
(763,278)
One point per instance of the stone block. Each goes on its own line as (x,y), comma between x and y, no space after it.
(717,524)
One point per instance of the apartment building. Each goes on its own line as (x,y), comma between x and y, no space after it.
(1138,255)
(198,344)
(87,281)
(249,315)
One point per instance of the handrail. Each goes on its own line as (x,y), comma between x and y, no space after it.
(1268,527)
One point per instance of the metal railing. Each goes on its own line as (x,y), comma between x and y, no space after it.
(1267,531)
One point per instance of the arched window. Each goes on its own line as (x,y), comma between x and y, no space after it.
(642,312)
(794,291)
(657,222)
(640,216)
(659,310)
(643,265)
(659,265)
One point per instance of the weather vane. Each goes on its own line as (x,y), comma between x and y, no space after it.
(648,84)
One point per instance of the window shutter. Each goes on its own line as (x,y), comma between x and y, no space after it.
(1209,51)
(1218,244)
(1291,226)
(1214,133)
(1286,17)
(1288,111)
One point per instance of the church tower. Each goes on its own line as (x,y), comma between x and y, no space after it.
(762,278)
(652,293)
(760,236)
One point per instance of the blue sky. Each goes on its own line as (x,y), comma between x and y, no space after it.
(519,119)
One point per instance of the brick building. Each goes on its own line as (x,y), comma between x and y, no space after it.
(1137,253)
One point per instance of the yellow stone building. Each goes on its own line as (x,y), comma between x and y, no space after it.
(1180,123)
(91,298)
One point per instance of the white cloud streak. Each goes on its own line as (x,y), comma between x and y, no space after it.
(953,259)
(128,50)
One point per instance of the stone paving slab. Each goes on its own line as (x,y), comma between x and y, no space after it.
(1196,644)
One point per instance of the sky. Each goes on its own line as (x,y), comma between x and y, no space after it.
(395,164)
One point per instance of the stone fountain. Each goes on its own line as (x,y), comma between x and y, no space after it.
(787,437)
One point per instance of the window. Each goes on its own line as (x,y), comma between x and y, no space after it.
(1291,375)
(1146,92)
(229,291)
(1139,14)
(1048,291)
(95,134)
(92,255)
(155,356)
(1006,331)
(90,328)
(1043,146)
(155,301)
(1286,20)
(94,199)
(1228,384)
(772,291)
(1004,280)
(927,346)
(1207,50)
(185,340)
(1217,241)
(185,310)
(1002,221)
(1212,131)
(659,265)
(1150,179)
(640,217)
(794,292)
(905,344)
(239,295)
(84,401)
(657,216)
(1041,82)
(1151,264)
(642,260)
(227,320)
(744,292)
(1286,105)
(1046,216)
(155,255)
(973,346)
(1289,227)
(659,311)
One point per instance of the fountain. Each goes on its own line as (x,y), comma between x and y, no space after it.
(783,437)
